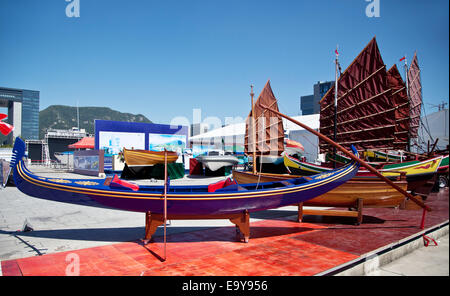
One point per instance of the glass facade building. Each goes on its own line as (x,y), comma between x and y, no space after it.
(30,115)
(306,104)
(310,104)
(23,112)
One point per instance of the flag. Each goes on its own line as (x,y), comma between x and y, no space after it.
(5,128)
(336,52)
(402,59)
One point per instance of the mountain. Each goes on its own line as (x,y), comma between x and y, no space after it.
(65,117)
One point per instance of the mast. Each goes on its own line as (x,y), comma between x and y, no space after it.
(407,95)
(253,131)
(335,101)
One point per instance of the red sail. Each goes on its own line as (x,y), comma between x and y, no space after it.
(365,113)
(269,131)
(415,96)
(399,98)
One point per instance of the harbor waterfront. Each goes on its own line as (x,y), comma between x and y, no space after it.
(322,245)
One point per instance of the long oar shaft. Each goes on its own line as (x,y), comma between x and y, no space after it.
(363,163)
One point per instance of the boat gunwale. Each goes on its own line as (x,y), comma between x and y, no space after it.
(205,195)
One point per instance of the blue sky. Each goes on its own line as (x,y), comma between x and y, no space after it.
(164,58)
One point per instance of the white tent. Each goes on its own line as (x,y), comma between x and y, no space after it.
(234,135)
(436,126)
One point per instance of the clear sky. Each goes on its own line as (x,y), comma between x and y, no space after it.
(164,58)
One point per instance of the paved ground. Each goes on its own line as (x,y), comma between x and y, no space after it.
(431,260)
(60,227)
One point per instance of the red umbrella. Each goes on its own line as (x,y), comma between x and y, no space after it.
(85,143)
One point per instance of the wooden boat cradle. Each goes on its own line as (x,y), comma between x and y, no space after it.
(355,211)
(241,221)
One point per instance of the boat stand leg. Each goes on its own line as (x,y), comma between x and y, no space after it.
(151,224)
(242,225)
(300,212)
(360,208)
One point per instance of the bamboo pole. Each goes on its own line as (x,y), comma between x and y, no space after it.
(165,200)
(353,157)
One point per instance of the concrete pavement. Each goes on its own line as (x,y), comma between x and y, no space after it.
(62,227)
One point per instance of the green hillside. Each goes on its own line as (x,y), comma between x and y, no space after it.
(65,117)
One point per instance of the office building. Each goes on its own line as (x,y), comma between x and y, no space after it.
(310,104)
(23,112)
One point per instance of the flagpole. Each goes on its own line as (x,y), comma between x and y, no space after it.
(253,131)
(409,100)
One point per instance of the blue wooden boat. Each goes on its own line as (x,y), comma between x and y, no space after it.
(217,199)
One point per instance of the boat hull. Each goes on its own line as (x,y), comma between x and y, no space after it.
(375,155)
(216,162)
(181,200)
(420,175)
(375,193)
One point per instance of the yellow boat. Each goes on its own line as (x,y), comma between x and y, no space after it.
(420,175)
(411,168)
(135,158)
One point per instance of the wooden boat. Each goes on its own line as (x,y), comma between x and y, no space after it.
(358,214)
(443,173)
(304,168)
(373,107)
(139,158)
(354,193)
(370,155)
(374,193)
(193,201)
(376,155)
(420,175)
(292,147)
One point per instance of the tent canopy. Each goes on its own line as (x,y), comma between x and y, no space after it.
(85,143)
(238,129)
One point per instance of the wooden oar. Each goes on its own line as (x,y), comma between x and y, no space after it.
(362,162)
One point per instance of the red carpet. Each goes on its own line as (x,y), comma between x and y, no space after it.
(276,247)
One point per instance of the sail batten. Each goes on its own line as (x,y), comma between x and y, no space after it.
(357,104)
(365,113)
(399,97)
(415,96)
